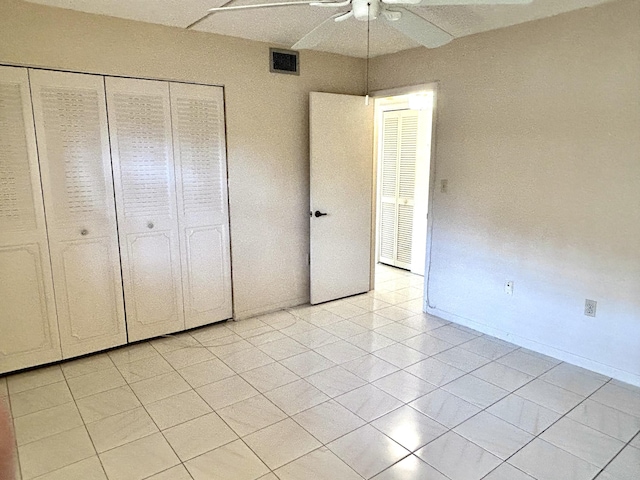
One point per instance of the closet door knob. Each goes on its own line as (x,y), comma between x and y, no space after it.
(150,225)
(84,232)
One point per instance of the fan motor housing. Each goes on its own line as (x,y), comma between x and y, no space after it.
(366,9)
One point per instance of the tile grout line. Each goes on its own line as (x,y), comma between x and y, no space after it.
(552,424)
(323,445)
(371,383)
(84,425)
(65,377)
(368,353)
(370,422)
(626,445)
(470,372)
(222,419)
(104,470)
(15,438)
(510,393)
(449,430)
(154,422)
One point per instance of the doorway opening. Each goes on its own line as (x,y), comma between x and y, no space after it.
(403,139)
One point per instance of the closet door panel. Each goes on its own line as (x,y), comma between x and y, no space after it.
(73,145)
(407,157)
(203,215)
(144,176)
(207,281)
(28,323)
(154,279)
(24,329)
(94,299)
(388,187)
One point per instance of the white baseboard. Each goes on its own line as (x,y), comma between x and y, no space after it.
(568,357)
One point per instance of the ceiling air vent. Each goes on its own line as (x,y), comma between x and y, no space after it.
(284,61)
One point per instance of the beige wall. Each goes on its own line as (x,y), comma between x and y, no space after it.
(267,124)
(538,134)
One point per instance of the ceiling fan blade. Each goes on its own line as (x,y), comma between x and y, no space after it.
(419,29)
(224,8)
(330,4)
(427,3)
(266,5)
(341,17)
(318,34)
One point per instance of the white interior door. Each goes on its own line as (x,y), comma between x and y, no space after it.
(28,324)
(73,145)
(203,214)
(144,178)
(421,196)
(341,169)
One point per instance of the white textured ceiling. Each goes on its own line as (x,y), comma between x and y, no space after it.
(285,26)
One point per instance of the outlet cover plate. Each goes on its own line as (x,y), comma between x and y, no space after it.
(590,307)
(508,287)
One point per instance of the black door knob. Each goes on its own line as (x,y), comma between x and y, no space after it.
(318,213)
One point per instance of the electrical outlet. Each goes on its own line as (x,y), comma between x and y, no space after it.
(590,308)
(444,185)
(508,287)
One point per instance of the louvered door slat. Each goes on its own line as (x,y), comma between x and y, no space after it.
(408,149)
(387,232)
(390,130)
(201,179)
(17,211)
(73,144)
(28,322)
(141,143)
(404,235)
(389,187)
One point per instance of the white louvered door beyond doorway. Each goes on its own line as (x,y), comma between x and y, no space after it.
(73,146)
(399,147)
(28,324)
(203,214)
(144,177)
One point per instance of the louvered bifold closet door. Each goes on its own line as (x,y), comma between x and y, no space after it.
(399,146)
(203,215)
(28,324)
(77,183)
(144,177)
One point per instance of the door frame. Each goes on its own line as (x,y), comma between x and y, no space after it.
(393,92)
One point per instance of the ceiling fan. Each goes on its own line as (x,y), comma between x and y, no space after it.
(391,11)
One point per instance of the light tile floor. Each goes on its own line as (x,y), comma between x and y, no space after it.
(365,387)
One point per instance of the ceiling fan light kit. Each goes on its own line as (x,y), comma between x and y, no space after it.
(365,10)
(394,12)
